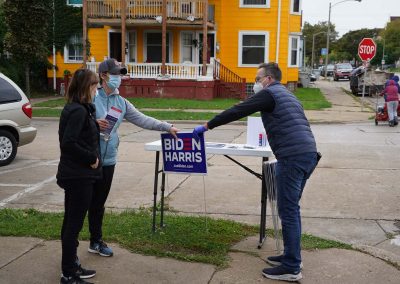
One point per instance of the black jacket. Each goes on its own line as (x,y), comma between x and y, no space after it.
(79,144)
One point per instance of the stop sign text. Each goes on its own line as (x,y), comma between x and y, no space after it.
(367,49)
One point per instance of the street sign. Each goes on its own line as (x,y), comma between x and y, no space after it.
(324,51)
(367,49)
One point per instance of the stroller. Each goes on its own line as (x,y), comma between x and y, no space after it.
(381,113)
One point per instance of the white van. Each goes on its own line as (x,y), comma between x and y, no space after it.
(15,120)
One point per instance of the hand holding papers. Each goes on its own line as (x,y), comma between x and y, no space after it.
(111,118)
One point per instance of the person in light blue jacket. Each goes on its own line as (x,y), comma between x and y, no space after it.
(108,97)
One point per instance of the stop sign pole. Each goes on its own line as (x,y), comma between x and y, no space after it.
(366,51)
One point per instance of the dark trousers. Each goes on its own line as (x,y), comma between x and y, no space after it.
(291,177)
(96,211)
(78,196)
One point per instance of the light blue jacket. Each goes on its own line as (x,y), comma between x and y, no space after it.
(109,148)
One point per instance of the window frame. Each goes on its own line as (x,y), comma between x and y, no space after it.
(291,36)
(66,52)
(170,45)
(267,5)
(181,46)
(240,47)
(134,32)
(74,5)
(292,7)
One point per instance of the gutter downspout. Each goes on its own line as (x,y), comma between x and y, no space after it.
(278,32)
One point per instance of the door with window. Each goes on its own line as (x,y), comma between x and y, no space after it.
(115,46)
(210,47)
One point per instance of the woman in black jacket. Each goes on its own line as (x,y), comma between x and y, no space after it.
(78,169)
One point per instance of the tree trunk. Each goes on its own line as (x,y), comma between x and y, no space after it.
(27,83)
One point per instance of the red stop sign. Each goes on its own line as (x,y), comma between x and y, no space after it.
(367,49)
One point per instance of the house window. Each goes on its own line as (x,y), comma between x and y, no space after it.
(187,47)
(132,47)
(254,3)
(253,48)
(76,3)
(294,51)
(154,47)
(295,6)
(74,49)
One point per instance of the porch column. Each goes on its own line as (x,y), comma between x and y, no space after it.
(164,37)
(123,30)
(84,31)
(205,47)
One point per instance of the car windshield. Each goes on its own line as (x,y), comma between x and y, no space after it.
(344,66)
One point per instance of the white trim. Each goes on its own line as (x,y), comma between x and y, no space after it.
(74,5)
(193,33)
(170,53)
(240,47)
(242,5)
(290,51)
(108,39)
(127,58)
(197,51)
(66,54)
(292,6)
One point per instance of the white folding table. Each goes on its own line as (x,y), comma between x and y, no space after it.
(227,150)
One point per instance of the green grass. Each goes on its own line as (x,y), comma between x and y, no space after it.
(311,98)
(182,103)
(46,112)
(185,237)
(160,103)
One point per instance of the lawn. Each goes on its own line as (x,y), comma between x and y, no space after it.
(311,98)
(186,237)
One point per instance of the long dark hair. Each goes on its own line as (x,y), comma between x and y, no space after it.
(79,88)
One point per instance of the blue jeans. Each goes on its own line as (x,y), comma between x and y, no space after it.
(291,177)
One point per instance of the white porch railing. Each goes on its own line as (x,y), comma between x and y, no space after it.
(181,71)
(139,9)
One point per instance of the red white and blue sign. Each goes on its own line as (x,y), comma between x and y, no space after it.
(184,155)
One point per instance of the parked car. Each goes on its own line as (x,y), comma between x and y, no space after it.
(342,71)
(329,68)
(15,120)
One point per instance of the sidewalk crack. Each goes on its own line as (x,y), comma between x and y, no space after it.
(24,253)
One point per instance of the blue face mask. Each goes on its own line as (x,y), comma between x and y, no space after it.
(114,82)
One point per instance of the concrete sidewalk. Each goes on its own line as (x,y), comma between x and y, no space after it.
(353,197)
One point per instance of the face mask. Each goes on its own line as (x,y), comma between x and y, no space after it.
(257,87)
(114,82)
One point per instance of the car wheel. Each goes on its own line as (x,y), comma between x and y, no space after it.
(8,147)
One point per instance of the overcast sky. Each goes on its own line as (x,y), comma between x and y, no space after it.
(351,15)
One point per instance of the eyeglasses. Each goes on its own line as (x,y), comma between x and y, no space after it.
(259,78)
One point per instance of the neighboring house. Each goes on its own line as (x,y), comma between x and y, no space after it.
(241,34)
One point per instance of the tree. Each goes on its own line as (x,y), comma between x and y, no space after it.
(3,28)
(391,37)
(347,46)
(320,39)
(26,37)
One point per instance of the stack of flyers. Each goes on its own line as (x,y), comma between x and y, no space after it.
(112,118)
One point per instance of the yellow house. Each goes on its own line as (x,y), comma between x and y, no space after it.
(241,34)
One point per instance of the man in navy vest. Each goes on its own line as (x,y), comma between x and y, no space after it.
(293,144)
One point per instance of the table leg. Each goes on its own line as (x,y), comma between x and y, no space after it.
(155,190)
(263,213)
(162,199)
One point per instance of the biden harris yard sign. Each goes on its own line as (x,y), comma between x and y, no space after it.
(184,155)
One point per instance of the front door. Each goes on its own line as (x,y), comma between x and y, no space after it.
(210,47)
(115,46)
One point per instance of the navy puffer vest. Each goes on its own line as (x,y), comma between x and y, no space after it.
(287,128)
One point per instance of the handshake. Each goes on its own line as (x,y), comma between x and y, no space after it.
(198,130)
